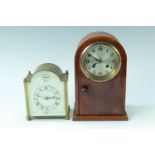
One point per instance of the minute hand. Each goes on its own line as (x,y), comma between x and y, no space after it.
(100,61)
(47,98)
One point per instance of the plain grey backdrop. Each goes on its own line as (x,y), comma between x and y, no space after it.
(24,48)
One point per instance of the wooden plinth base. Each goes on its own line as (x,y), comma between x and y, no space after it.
(100,118)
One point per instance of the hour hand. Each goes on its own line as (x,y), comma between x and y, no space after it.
(49,98)
(93,66)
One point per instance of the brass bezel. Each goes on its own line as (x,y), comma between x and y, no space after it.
(96,78)
(62,76)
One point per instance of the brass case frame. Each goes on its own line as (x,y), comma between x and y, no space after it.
(62,76)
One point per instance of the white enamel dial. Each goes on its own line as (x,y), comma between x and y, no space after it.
(100,61)
(47,98)
(46,95)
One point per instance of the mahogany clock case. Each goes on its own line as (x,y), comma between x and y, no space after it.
(100,100)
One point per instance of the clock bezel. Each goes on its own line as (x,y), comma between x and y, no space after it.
(110,76)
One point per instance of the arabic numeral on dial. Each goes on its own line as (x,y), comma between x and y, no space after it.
(89,55)
(111,54)
(100,48)
(100,73)
(107,66)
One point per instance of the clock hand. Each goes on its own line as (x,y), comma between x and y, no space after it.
(99,60)
(41,97)
(48,98)
(93,66)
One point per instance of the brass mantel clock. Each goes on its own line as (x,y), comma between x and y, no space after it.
(46,93)
(100,78)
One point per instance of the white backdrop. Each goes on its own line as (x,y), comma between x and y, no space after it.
(24,48)
(17,136)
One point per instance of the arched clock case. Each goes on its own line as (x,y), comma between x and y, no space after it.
(100,78)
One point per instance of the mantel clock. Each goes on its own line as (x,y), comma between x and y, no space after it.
(100,78)
(46,93)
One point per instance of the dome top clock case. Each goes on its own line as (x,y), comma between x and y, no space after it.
(46,93)
(100,78)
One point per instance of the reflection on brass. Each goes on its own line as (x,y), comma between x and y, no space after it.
(27,100)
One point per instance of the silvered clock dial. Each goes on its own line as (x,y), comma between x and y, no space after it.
(46,93)
(100,61)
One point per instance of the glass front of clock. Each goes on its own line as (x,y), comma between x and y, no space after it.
(100,62)
(46,95)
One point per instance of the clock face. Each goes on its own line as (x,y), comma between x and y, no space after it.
(100,62)
(46,95)
(47,98)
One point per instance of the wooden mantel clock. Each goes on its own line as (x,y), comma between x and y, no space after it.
(100,78)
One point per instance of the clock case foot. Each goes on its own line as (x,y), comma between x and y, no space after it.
(100,117)
(29,118)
